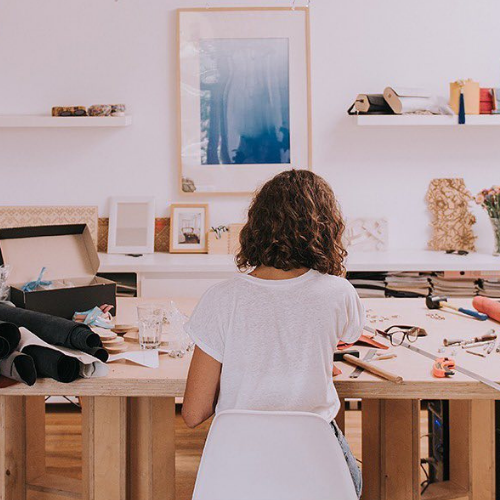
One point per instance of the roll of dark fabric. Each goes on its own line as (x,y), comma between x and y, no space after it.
(9,339)
(54,330)
(53,364)
(100,353)
(19,367)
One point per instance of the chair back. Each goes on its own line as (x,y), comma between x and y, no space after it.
(252,455)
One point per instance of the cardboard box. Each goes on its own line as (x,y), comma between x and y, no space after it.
(69,255)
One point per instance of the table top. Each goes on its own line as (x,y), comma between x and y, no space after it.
(169,380)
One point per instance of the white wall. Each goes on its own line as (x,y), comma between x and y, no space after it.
(58,52)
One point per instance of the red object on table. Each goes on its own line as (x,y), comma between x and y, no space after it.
(443,367)
(363,340)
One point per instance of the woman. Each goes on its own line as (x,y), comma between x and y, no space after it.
(265,340)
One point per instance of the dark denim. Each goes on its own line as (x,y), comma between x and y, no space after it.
(349,458)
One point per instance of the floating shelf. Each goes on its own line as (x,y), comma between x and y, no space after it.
(390,260)
(32,121)
(426,120)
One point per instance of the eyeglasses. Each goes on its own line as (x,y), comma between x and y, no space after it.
(458,252)
(397,334)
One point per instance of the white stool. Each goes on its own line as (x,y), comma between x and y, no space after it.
(252,455)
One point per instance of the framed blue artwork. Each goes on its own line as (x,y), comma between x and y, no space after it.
(244,96)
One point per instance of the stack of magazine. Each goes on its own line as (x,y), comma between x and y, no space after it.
(454,287)
(408,284)
(368,285)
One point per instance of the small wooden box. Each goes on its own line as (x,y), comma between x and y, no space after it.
(218,246)
(234,238)
(471,96)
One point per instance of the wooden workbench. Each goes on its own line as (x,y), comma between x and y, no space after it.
(128,421)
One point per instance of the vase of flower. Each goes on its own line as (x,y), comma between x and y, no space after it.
(489,199)
(495,222)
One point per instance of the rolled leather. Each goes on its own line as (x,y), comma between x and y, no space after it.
(60,363)
(51,329)
(19,367)
(9,339)
(51,363)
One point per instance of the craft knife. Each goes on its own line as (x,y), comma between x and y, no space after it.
(464,371)
(358,371)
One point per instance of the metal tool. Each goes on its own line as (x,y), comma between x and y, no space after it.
(489,350)
(464,371)
(433,302)
(381,357)
(449,342)
(477,344)
(358,370)
(481,354)
(372,368)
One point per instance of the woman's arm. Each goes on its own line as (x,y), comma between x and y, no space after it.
(202,389)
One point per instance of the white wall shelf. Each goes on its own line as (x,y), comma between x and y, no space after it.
(426,120)
(392,260)
(35,121)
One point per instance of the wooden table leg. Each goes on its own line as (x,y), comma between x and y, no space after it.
(104,427)
(12,448)
(391,455)
(151,450)
(340,418)
(472,448)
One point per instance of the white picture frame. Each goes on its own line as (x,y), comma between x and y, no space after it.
(131,225)
(191,220)
(262,123)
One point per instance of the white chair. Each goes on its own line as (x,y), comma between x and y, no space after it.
(252,455)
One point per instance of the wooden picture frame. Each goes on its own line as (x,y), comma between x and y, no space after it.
(131,225)
(189,235)
(236,167)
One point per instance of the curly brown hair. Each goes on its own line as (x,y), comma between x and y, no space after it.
(294,221)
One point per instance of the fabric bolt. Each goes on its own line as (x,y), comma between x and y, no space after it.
(51,329)
(58,367)
(53,364)
(276,340)
(9,339)
(100,353)
(19,367)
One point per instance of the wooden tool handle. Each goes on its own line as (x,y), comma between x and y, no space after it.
(373,369)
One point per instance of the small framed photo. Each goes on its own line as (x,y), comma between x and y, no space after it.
(132,225)
(188,228)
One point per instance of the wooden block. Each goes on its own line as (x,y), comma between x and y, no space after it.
(151,448)
(400,437)
(12,448)
(35,438)
(340,418)
(472,447)
(104,427)
(391,457)
(371,448)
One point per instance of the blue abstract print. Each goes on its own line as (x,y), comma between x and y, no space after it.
(245,101)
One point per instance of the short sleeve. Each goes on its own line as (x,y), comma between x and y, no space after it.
(356,317)
(205,327)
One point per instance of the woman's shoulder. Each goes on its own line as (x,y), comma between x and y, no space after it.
(220,290)
(332,280)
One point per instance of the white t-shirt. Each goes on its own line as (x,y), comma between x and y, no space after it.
(276,339)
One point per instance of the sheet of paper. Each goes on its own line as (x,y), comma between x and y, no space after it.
(147,358)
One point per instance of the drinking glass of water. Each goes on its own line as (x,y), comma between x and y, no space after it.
(151,317)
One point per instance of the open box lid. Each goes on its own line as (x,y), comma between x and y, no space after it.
(66,252)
